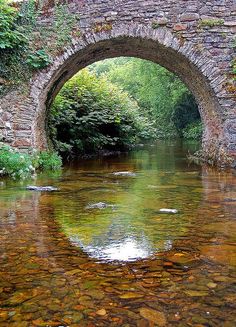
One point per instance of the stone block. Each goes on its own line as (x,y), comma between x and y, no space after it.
(189,17)
(22,143)
(180,27)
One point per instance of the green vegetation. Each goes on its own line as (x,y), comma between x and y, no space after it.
(193,131)
(211,22)
(234,67)
(90,114)
(112,105)
(117,103)
(22,165)
(159,93)
(155,25)
(26,45)
(38,60)
(10,36)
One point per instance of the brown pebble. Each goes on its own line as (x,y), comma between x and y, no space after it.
(101,312)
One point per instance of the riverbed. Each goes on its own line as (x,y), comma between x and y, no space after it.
(101,251)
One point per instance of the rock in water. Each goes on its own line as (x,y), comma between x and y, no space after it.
(164,210)
(99,205)
(101,312)
(124,173)
(41,188)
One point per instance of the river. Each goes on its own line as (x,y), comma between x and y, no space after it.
(101,251)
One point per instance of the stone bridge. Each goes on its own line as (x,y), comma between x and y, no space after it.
(194,39)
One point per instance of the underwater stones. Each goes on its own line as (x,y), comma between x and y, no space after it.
(42,323)
(96,294)
(101,312)
(153,316)
(196,293)
(3,316)
(211,285)
(19,297)
(77,317)
(131,295)
(29,308)
(183,259)
(41,188)
(223,253)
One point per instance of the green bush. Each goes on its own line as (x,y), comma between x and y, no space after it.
(15,164)
(22,165)
(91,114)
(193,131)
(48,161)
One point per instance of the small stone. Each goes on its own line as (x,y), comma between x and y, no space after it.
(221,278)
(165,210)
(19,297)
(100,205)
(162,21)
(189,17)
(96,294)
(41,188)
(101,312)
(196,293)
(131,295)
(77,317)
(180,27)
(230,24)
(211,285)
(182,259)
(3,81)
(153,316)
(124,173)
(3,316)
(40,322)
(73,272)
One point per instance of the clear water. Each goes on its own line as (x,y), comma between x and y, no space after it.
(98,252)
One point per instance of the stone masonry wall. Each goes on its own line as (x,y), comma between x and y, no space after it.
(194,39)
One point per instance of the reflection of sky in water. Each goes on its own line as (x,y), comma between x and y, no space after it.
(129,226)
(127,249)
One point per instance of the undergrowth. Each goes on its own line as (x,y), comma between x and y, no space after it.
(23,165)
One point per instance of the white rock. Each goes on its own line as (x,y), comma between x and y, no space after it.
(124,173)
(164,210)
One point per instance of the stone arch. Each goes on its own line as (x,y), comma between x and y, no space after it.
(195,67)
(200,74)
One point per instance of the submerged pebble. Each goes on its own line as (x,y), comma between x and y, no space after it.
(153,316)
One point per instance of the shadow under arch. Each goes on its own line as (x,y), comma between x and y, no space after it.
(192,66)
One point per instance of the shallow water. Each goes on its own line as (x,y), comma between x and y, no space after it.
(98,252)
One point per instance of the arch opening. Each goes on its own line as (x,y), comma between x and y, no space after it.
(181,61)
(117,103)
